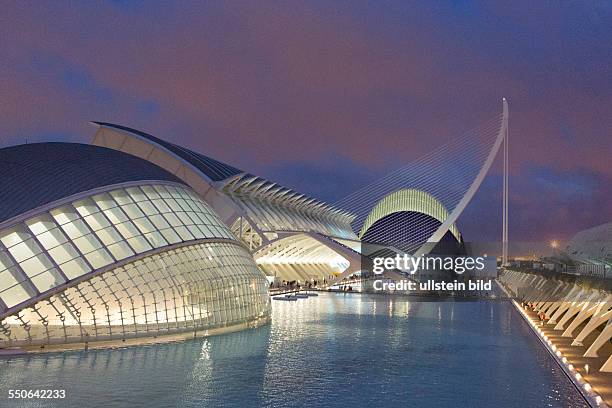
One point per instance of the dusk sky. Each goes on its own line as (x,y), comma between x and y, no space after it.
(324,97)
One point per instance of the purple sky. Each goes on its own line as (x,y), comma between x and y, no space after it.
(325,96)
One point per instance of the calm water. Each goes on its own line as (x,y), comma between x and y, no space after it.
(335,350)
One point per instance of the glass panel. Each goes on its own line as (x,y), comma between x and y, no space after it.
(64,214)
(36,265)
(86,207)
(5,261)
(7,279)
(47,280)
(206,231)
(150,192)
(172,204)
(121,196)
(183,204)
(104,201)
(136,194)
(185,220)
(171,236)
(139,244)
(75,268)
(172,219)
(99,258)
(161,206)
(156,239)
(25,250)
(115,215)
(195,231)
(201,218)
(162,191)
(148,208)
(96,221)
(40,224)
(133,211)
(108,236)
(184,217)
(193,206)
(13,237)
(127,229)
(159,221)
(52,238)
(144,225)
(14,295)
(120,250)
(184,233)
(87,243)
(76,229)
(63,253)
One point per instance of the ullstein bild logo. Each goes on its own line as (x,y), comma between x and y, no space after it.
(412,264)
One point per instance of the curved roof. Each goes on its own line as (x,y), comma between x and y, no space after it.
(37,174)
(214,169)
(593,245)
(413,200)
(231,178)
(248,184)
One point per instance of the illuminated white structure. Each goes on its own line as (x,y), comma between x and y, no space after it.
(578,312)
(410,200)
(99,245)
(438,185)
(590,251)
(291,236)
(294,237)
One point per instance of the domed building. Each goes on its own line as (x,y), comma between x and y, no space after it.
(590,251)
(97,245)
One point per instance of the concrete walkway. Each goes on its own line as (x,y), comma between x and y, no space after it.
(599,381)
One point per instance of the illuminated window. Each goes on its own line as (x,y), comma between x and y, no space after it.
(91,233)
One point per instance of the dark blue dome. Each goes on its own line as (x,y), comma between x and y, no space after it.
(36,174)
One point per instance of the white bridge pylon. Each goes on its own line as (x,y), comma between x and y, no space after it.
(450,175)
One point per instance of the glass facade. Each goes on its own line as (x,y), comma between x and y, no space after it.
(39,256)
(194,287)
(276,217)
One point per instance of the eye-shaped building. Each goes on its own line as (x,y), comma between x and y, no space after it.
(100,245)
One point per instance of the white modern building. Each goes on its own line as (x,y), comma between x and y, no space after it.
(99,245)
(590,251)
(292,237)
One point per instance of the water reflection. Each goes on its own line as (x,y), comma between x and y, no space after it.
(331,350)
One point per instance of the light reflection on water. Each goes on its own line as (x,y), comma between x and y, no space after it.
(332,350)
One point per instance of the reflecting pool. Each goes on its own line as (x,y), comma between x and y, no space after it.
(344,350)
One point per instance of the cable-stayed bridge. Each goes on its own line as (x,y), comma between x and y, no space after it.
(438,185)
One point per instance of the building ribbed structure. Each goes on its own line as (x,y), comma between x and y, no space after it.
(292,237)
(96,245)
(590,251)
